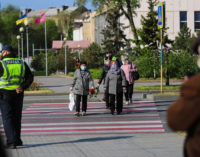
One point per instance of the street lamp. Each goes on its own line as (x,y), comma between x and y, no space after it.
(79,52)
(21,30)
(65,39)
(18,39)
(26,25)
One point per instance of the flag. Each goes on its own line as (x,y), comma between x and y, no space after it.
(22,19)
(40,19)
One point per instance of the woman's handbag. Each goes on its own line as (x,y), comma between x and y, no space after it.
(135,74)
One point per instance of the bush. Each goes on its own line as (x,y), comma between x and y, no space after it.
(96,73)
(146,66)
(182,63)
(39,73)
(37,62)
(34,86)
(70,61)
(93,55)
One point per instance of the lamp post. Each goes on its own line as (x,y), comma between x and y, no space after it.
(21,30)
(79,52)
(18,39)
(65,39)
(26,25)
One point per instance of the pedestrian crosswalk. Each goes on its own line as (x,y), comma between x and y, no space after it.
(55,119)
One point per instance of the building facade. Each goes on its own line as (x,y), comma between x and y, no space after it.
(178,13)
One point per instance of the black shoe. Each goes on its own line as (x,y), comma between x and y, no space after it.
(19,143)
(11,146)
(118,113)
(112,112)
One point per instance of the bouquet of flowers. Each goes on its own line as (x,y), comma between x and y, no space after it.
(94,92)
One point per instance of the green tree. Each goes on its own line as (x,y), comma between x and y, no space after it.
(128,8)
(149,38)
(93,55)
(183,41)
(37,62)
(114,38)
(37,33)
(8,29)
(70,34)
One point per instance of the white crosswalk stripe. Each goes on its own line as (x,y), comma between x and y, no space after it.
(56,119)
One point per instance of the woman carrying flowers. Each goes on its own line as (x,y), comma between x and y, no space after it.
(82,81)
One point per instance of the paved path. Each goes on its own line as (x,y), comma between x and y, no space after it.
(141,131)
(62,84)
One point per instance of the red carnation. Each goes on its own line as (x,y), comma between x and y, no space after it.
(92,91)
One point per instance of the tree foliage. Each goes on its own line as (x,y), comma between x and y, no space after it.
(114,38)
(128,8)
(93,55)
(184,40)
(8,28)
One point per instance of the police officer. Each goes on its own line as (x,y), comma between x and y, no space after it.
(15,77)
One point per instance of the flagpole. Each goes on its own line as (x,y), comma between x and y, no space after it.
(46,48)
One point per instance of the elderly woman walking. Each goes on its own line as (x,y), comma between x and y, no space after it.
(115,83)
(82,81)
(128,68)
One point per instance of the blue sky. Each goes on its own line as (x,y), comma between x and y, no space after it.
(40,4)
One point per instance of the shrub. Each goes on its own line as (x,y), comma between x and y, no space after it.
(93,55)
(96,73)
(37,62)
(39,73)
(70,61)
(34,86)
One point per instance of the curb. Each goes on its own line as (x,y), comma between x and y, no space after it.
(67,93)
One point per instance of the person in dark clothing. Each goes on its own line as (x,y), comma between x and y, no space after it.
(15,77)
(2,150)
(106,68)
(184,114)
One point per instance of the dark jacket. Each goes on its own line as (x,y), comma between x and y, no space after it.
(28,78)
(184,115)
(103,74)
(82,81)
(115,82)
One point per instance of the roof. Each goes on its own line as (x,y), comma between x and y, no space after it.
(49,12)
(82,44)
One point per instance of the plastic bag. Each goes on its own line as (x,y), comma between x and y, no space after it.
(71,101)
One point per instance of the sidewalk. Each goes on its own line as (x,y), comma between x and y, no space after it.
(147,145)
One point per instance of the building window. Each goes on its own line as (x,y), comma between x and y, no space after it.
(197,21)
(183,19)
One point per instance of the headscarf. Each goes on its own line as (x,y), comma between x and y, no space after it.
(115,69)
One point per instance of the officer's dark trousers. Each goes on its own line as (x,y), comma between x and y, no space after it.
(84,103)
(119,102)
(11,109)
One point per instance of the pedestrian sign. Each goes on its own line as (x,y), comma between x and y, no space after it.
(161,15)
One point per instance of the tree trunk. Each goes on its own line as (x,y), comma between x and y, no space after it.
(129,16)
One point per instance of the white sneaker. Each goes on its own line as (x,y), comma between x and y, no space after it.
(126,103)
